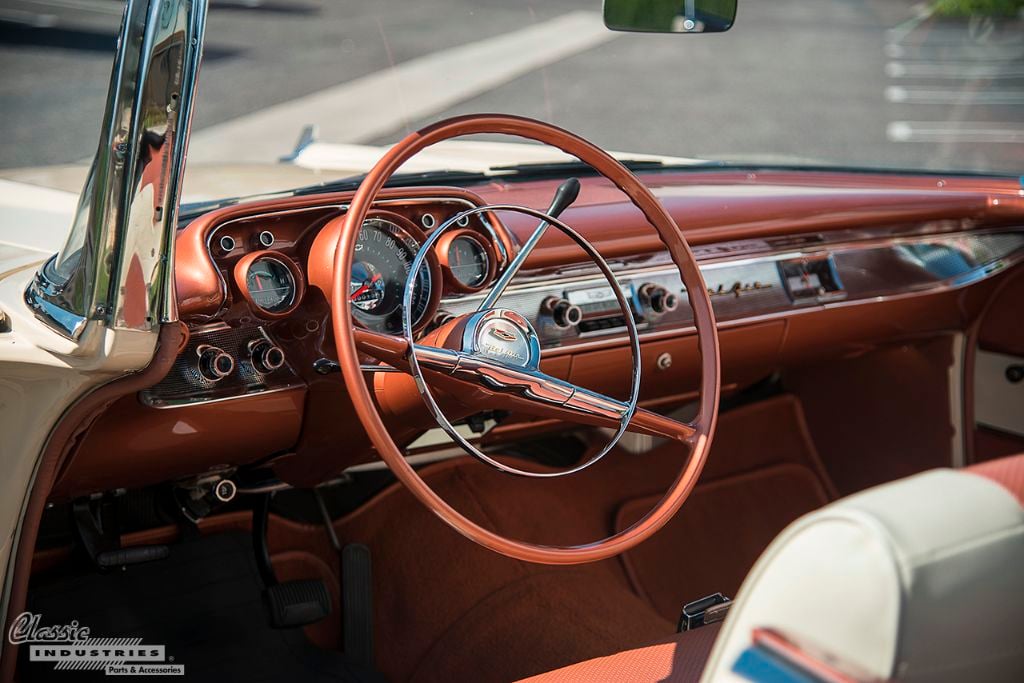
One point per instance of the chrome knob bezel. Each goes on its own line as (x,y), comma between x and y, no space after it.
(265,356)
(210,364)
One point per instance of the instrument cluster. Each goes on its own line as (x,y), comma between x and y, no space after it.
(263,262)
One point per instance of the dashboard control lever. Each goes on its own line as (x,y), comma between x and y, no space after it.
(565,195)
(214,363)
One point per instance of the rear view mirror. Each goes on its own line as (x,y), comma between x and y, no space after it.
(670,16)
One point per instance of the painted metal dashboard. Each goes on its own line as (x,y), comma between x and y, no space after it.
(571,307)
(803,266)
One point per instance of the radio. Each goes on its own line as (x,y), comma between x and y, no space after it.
(595,308)
(599,309)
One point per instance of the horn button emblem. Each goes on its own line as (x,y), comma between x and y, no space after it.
(503,335)
(500,336)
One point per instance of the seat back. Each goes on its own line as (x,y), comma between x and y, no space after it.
(920,579)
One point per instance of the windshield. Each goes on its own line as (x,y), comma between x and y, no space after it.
(870,83)
(898,84)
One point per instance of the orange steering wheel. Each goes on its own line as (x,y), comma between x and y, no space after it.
(454,361)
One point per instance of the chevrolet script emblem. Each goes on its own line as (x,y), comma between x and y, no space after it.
(503,335)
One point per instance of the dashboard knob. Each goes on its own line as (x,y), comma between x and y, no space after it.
(658,298)
(214,363)
(266,356)
(564,313)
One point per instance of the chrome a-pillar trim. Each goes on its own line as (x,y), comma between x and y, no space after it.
(117,265)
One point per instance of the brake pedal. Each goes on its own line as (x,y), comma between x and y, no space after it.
(292,603)
(298,603)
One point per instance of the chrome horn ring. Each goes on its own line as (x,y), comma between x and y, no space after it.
(529,363)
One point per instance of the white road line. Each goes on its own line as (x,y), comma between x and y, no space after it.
(26,18)
(898,34)
(977,52)
(1003,51)
(963,131)
(935,95)
(98,6)
(384,101)
(953,70)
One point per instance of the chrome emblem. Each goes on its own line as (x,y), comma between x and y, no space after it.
(503,341)
(503,335)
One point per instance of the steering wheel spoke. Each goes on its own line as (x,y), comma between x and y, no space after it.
(527,391)
(654,424)
(536,393)
(384,347)
(548,396)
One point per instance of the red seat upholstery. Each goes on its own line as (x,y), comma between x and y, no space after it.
(677,660)
(1007,472)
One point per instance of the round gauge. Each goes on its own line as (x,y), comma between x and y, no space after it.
(384,253)
(271,283)
(467,259)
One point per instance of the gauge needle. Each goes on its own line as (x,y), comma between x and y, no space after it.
(365,287)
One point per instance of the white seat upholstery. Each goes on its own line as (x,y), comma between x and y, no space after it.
(920,579)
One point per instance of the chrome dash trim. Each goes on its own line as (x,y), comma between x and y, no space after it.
(148,401)
(866,270)
(667,333)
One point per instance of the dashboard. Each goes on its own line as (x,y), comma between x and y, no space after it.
(819,270)
(250,297)
(272,276)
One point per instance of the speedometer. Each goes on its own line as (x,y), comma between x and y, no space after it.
(383,257)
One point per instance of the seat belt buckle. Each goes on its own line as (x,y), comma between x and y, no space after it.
(707,610)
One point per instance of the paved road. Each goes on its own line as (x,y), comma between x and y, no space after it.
(861,82)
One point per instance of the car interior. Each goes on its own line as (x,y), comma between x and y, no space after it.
(848,306)
(350,460)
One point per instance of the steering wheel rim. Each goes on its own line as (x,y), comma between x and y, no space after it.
(704,423)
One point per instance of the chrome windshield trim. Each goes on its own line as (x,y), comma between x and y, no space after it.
(43,296)
(117,257)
